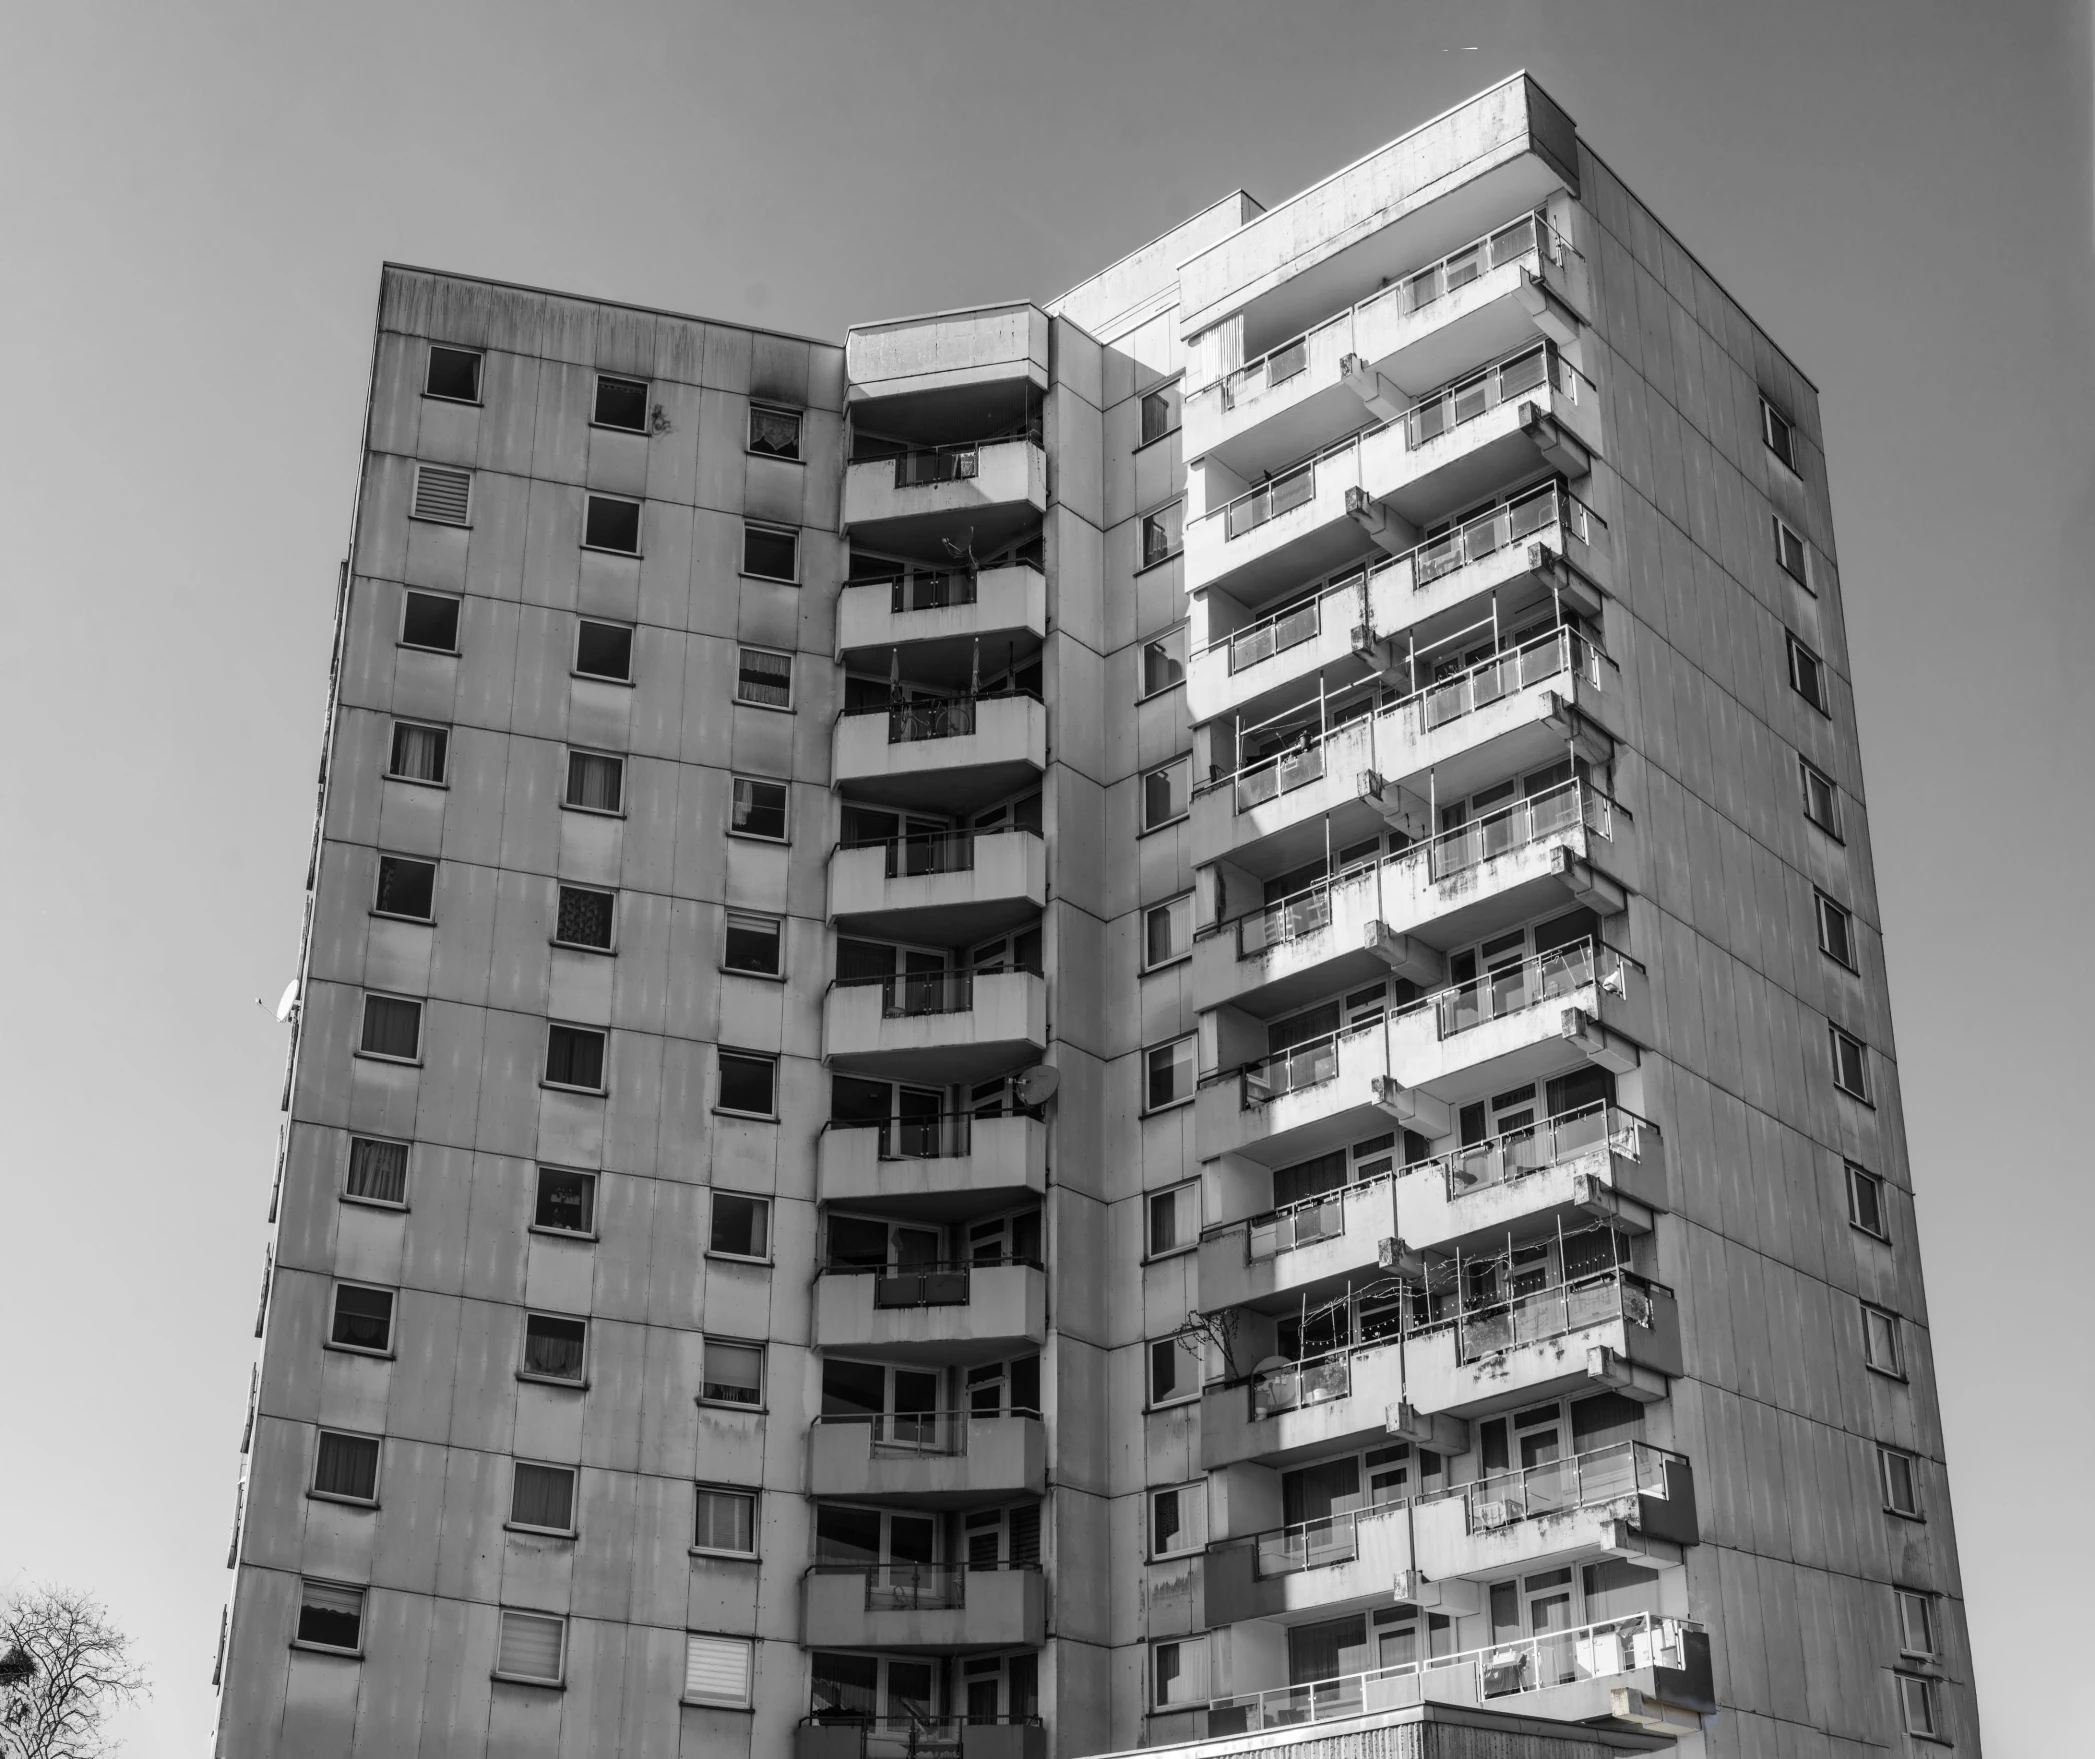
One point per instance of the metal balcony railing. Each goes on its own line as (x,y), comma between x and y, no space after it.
(1518,1154)
(914,1587)
(946,717)
(925,1736)
(904,993)
(932,852)
(1583,1481)
(935,1136)
(910,1432)
(928,1282)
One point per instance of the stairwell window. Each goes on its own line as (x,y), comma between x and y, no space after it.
(575,1058)
(764,678)
(1163,534)
(1791,554)
(620,403)
(774,432)
(532,1649)
(406,888)
(583,918)
(612,523)
(1164,661)
(759,810)
(1166,793)
(377,1172)
(771,552)
(1850,1064)
(1881,1349)
(733,1374)
(429,620)
(719,1670)
(542,1498)
(1168,1074)
(420,753)
(1779,436)
(1821,797)
(1836,930)
(604,650)
(452,374)
(596,781)
(1867,1210)
(748,1084)
(345,1468)
(392,1029)
(363,1320)
(554,1348)
(1807,677)
(330,1616)
(443,496)
(1899,1474)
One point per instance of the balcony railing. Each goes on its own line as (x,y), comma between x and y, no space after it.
(904,993)
(1499,1670)
(949,717)
(914,1587)
(1540,977)
(927,1283)
(1312,1545)
(1628,1468)
(910,1432)
(934,1136)
(932,852)
(1316,1382)
(912,1737)
(1518,1154)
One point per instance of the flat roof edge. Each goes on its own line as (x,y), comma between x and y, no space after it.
(957,311)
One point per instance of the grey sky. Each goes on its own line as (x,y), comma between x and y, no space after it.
(197,198)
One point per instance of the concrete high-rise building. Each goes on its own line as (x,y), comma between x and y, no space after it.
(1154,1019)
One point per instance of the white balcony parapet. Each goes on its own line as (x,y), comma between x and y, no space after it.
(947,604)
(946,480)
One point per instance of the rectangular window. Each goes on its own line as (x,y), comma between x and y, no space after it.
(604,650)
(718,1670)
(566,1202)
(392,1028)
(1899,1474)
(748,1084)
(1850,1063)
(1159,414)
(543,1498)
(363,1319)
(533,1646)
(1821,797)
(346,1467)
(443,495)
(554,1348)
(760,809)
(420,754)
(377,1170)
(1866,1207)
(727,1521)
(610,523)
(1918,1706)
(1163,534)
(764,678)
(1916,1624)
(753,944)
(620,403)
(583,918)
(406,887)
(453,374)
(1779,436)
(331,1616)
(575,1057)
(1166,793)
(596,781)
(1167,932)
(429,619)
(770,552)
(1174,1218)
(1177,1520)
(1164,661)
(1171,1376)
(741,1225)
(733,1373)
(1880,1341)
(1807,677)
(774,432)
(1836,931)
(1178,1672)
(1169,1071)
(1791,554)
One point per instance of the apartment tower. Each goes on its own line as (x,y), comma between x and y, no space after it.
(1151,1020)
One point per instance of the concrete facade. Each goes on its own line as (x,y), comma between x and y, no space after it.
(1358,692)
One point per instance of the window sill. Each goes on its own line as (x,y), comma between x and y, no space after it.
(1157,1111)
(578,947)
(1887,1373)
(524,1679)
(1162,825)
(305,1648)
(775,457)
(715,1704)
(754,976)
(759,837)
(770,708)
(414,781)
(579,1092)
(580,1239)
(1913,1515)
(381,1057)
(1155,1406)
(593,811)
(1161,691)
(607,550)
(396,916)
(1861,1099)
(721,1111)
(601,677)
(618,427)
(1835,960)
(741,1258)
(774,579)
(450,524)
(1142,568)
(1172,963)
(384,1203)
(735,1557)
(462,402)
(1869,1233)
(1171,1252)
(540,1532)
(573,1386)
(758,1410)
(345,1502)
(358,1350)
(417,647)
(1142,446)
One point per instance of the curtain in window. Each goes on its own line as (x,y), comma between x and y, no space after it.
(734,1372)
(553,1347)
(347,1466)
(378,1170)
(1326,1651)
(726,1520)
(775,431)
(594,782)
(418,752)
(543,1496)
(766,678)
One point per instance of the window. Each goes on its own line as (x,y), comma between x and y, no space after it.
(718,1670)
(566,1202)
(774,432)
(1169,1068)
(1159,414)
(765,678)
(377,1171)
(575,1057)
(583,918)
(620,403)
(1836,931)
(345,1469)
(554,1348)
(405,887)
(1166,792)
(1807,677)
(1163,533)
(1167,932)
(1866,1207)
(453,374)
(419,753)
(1791,554)
(542,1497)
(533,1645)
(1821,797)
(596,781)
(1178,1672)
(760,809)
(1880,1341)
(1779,436)
(1177,1520)
(748,1084)
(1916,1624)
(363,1319)
(392,1028)
(770,553)
(741,1225)
(331,1616)
(727,1521)
(1174,1218)
(753,944)
(442,495)
(733,1374)
(604,650)
(1919,1706)
(609,523)
(1171,1376)
(1899,1473)
(1164,661)
(1850,1063)
(429,619)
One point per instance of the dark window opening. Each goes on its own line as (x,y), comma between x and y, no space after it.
(543,1496)
(621,403)
(392,1027)
(347,1466)
(363,1318)
(747,1084)
(741,1225)
(752,944)
(584,918)
(604,650)
(553,1347)
(331,1617)
(612,525)
(406,887)
(595,782)
(453,373)
(575,1057)
(430,620)
(769,553)
(377,1170)
(760,809)
(566,1201)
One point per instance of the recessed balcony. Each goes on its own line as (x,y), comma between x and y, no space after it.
(918,1737)
(941,613)
(939,1028)
(927,1459)
(932,1169)
(994,489)
(1305,1246)
(956,752)
(939,887)
(1284,1414)
(964,1312)
(902,1607)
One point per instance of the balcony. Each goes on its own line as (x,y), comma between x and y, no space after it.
(963,1312)
(1488,298)
(928,1459)
(941,887)
(1531,413)
(1306,1246)
(941,613)
(956,752)
(1282,1415)
(914,1737)
(915,1607)
(1599,1163)
(936,1027)
(933,1168)
(995,488)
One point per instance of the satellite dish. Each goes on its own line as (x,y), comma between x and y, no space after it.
(1037,1085)
(287,1003)
(1267,1364)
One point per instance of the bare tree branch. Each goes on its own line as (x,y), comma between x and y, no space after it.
(65,1669)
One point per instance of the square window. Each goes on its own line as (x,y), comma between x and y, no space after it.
(604,650)
(1174,1218)
(1791,554)
(1836,931)
(718,1670)
(1164,661)
(1850,1063)
(583,918)
(542,1497)
(453,374)
(774,432)
(1170,1373)
(1163,534)
(609,523)
(748,1084)
(726,1521)
(363,1319)
(764,678)
(1167,932)
(620,403)
(1880,1341)
(1900,1475)
(566,1201)
(419,753)
(753,944)
(533,1647)
(331,1616)
(575,1057)
(1821,797)
(1866,1206)
(377,1170)
(770,553)
(345,1467)
(554,1348)
(1779,436)
(596,781)
(1916,1624)
(406,887)
(442,495)
(1166,793)
(741,1225)
(1918,1706)
(760,809)
(733,1373)
(1159,413)
(392,1028)
(429,619)
(1169,1072)
(1807,677)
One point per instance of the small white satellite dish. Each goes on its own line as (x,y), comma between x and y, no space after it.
(287,1003)
(1267,1364)
(1037,1085)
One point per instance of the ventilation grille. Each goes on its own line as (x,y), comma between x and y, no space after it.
(442,494)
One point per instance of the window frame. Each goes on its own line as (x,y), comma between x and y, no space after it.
(456,601)
(785,837)
(1785,454)
(596,397)
(1145,828)
(391,1349)
(1914,1687)
(762,1402)
(1149,1051)
(1824,906)
(1151,1251)
(1150,692)
(765,1258)
(479,357)
(1838,1038)
(554,1683)
(545,1063)
(786,531)
(749,1647)
(728,917)
(553,1230)
(1805,662)
(1192,1533)
(568,803)
(777,653)
(362,1591)
(1174,411)
(1189,901)
(1185,1382)
(1196,1690)
(578,1382)
(1144,561)
(1852,1173)
(407,1148)
(609,893)
(723,1051)
(414,498)
(755,1498)
(632,633)
(420,1004)
(1886,1455)
(1783,529)
(320,1434)
(378,880)
(510,1524)
(1896,1368)
(443,778)
(799,416)
(1921,1598)
(590,497)
(1807,771)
